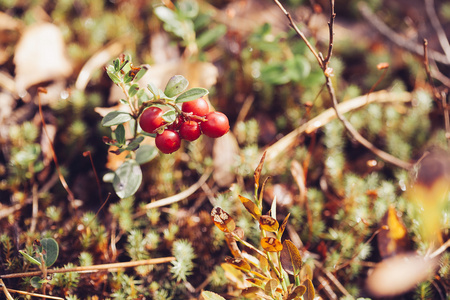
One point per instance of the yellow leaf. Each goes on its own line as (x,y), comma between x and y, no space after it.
(251,207)
(271,244)
(222,220)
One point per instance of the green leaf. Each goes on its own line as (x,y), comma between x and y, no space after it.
(116,63)
(133,90)
(298,68)
(127,179)
(135,144)
(146,153)
(172,22)
(192,94)
(170,116)
(176,85)
(30,258)
(36,282)
(211,296)
(153,89)
(141,73)
(211,36)
(114,77)
(50,250)
(120,134)
(116,118)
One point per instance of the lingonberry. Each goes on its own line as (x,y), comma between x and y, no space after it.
(197,107)
(190,130)
(216,124)
(151,119)
(168,142)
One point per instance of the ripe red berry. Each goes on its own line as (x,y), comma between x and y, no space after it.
(169,141)
(197,107)
(151,119)
(216,124)
(190,130)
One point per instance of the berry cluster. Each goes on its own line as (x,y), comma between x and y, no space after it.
(193,120)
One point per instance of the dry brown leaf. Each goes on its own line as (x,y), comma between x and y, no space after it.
(399,274)
(225,152)
(40,56)
(395,239)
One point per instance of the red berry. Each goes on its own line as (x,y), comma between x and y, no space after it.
(151,119)
(169,141)
(197,107)
(216,124)
(190,131)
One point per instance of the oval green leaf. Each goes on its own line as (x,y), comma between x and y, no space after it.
(120,134)
(170,116)
(50,251)
(133,90)
(30,258)
(176,85)
(145,153)
(192,94)
(36,282)
(116,118)
(127,179)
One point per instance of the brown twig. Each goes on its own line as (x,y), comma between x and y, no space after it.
(300,33)
(331,29)
(95,268)
(88,153)
(396,38)
(61,177)
(434,19)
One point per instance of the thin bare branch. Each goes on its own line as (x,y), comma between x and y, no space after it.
(300,33)
(434,19)
(396,38)
(359,138)
(95,268)
(331,28)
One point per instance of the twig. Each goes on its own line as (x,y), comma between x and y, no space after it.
(434,19)
(359,138)
(440,249)
(99,210)
(35,209)
(427,68)
(88,153)
(5,291)
(396,38)
(331,28)
(178,197)
(34,294)
(95,268)
(332,278)
(292,24)
(61,177)
(289,140)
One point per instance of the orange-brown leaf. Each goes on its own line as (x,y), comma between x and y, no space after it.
(394,240)
(258,170)
(309,293)
(268,223)
(291,260)
(297,292)
(271,244)
(222,220)
(251,207)
(238,263)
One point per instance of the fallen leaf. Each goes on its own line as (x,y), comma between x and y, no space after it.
(399,274)
(40,56)
(394,240)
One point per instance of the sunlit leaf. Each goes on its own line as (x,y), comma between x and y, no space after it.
(211,296)
(238,263)
(291,260)
(306,273)
(256,281)
(234,275)
(251,207)
(258,170)
(297,292)
(395,239)
(271,244)
(115,118)
(176,85)
(268,223)
(170,116)
(145,153)
(30,258)
(132,91)
(127,179)
(222,220)
(192,94)
(283,226)
(254,292)
(271,287)
(310,292)
(273,208)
